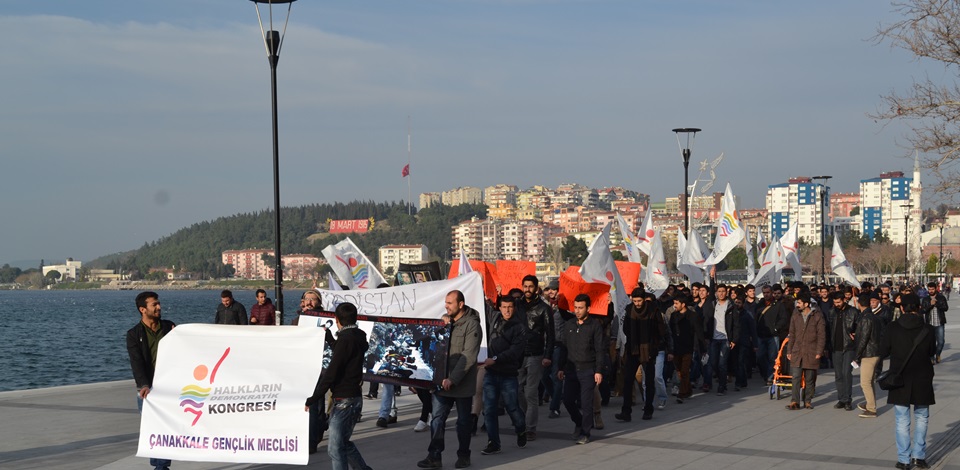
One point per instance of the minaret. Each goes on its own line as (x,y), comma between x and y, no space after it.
(916,216)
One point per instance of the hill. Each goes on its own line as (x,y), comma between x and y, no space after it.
(197,248)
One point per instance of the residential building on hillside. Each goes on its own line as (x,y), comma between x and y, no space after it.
(799,201)
(464,195)
(250,264)
(500,195)
(430,200)
(392,255)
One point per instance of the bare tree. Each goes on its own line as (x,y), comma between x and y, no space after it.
(930,30)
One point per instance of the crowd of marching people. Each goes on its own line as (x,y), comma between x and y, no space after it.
(706,339)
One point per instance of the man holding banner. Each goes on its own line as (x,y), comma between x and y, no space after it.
(459,384)
(143,341)
(344,377)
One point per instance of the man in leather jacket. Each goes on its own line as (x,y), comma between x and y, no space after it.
(867,355)
(842,323)
(538,352)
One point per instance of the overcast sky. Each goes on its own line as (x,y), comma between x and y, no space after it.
(122,122)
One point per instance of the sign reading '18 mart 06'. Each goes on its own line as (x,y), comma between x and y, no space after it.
(227,393)
(350,226)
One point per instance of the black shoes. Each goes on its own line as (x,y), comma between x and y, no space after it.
(462,462)
(431,462)
(490,449)
(919,463)
(647,416)
(381,422)
(522,439)
(848,406)
(902,466)
(840,405)
(622,417)
(392,420)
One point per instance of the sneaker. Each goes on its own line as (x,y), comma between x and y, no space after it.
(919,463)
(840,405)
(902,466)
(861,407)
(868,414)
(622,417)
(583,440)
(462,462)
(490,449)
(662,403)
(554,414)
(577,431)
(597,421)
(430,462)
(531,436)
(370,396)
(847,406)
(392,419)
(381,422)
(421,426)
(522,438)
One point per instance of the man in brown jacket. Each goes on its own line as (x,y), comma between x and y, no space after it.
(808,337)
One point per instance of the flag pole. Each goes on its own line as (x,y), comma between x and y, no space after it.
(409,194)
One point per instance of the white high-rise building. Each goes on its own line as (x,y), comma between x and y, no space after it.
(885,206)
(799,201)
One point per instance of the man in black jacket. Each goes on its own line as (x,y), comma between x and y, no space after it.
(344,377)
(504,355)
(647,336)
(771,318)
(842,323)
(582,349)
(538,352)
(230,312)
(721,333)
(143,341)
(934,310)
(867,356)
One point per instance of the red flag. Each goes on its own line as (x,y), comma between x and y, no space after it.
(406,171)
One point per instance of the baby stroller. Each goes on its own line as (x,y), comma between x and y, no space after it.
(782,381)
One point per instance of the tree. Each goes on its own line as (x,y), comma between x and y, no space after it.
(574,250)
(52,276)
(618,256)
(736,259)
(932,264)
(855,211)
(928,30)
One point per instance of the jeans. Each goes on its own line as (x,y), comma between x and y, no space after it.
(938,330)
(579,386)
(844,374)
(441,410)
(343,418)
(158,464)
(530,372)
(918,448)
(658,371)
(767,352)
(719,350)
(388,403)
(557,398)
(496,386)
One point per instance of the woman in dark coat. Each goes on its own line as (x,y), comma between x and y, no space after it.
(808,337)
(897,341)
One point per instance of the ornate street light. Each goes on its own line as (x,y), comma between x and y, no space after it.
(272,41)
(691,133)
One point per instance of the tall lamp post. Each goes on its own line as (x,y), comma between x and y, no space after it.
(273,41)
(823,226)
(906,241)
(691,134)
(940,258)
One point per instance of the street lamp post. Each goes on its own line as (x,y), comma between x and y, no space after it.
(906,241)
(940,258)
(823,226)
(691,133)
(273,41)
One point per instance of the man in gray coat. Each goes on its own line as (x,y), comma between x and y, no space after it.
(459,384)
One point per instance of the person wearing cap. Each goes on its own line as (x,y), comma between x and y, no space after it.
(647,336)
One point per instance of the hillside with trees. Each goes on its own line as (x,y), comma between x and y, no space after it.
(198,248)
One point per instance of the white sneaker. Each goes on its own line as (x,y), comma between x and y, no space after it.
(662,403)
(421,426)
(675,390)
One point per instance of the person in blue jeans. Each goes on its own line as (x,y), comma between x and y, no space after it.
(143,341)
(722,329)
(504,355)
(917,371)
(343,378)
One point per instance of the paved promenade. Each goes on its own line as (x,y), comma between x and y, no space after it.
(95,427)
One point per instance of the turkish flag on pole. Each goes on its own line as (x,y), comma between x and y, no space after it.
(406,171)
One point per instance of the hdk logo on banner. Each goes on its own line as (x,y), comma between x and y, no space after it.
(231,394)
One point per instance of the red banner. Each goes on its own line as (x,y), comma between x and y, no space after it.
(510,274)
(629,274)
(488,272)
(571,285)
(350,226)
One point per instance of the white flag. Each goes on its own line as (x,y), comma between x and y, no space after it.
(762,245)
(790,244)
(730,230)
(694,256)
(655,277)
(600,267)
(841,267)
(464,265)
(681,245)
(645,236)
(351,266)
(332,283)
(751,265)
(769,272)
(629,240)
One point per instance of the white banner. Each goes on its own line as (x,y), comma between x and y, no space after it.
(226,393)
(422,300)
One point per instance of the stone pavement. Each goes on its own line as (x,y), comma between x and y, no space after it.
(95,426)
